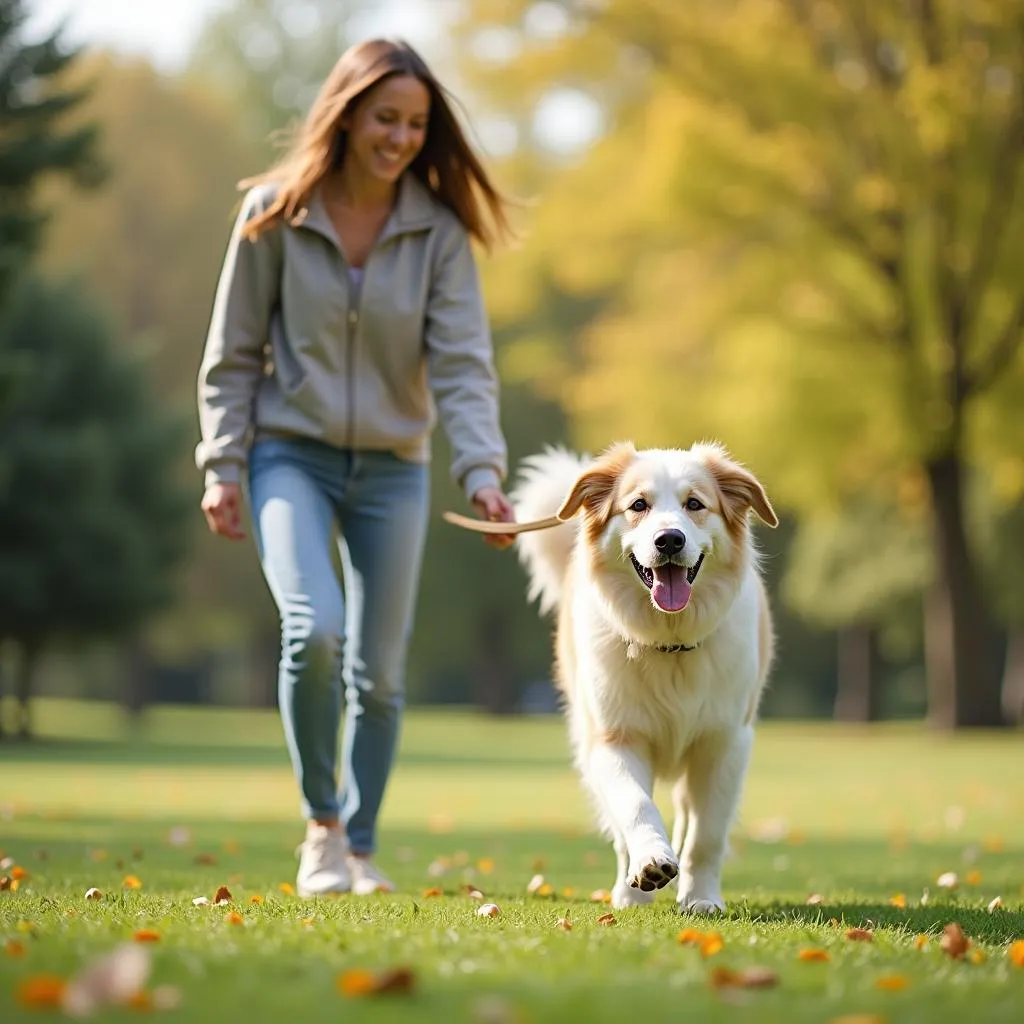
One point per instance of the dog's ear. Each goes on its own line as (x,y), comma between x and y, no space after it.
(740,490)
(594,489)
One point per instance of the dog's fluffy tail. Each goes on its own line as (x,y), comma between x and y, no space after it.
(542,484)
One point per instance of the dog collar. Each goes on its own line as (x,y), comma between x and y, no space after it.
(633,649)
(674,648)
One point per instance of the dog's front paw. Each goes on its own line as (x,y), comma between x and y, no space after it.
(700,896)
(653,870)
(705,908)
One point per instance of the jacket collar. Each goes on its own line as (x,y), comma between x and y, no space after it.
(414,210)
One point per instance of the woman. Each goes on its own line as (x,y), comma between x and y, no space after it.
(349,307)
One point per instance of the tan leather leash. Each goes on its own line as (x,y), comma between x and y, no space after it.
(504,529)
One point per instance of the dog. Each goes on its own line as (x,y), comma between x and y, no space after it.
(663,642)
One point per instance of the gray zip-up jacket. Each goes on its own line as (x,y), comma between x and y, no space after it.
(292,350)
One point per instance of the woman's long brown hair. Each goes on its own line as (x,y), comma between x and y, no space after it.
(446,165)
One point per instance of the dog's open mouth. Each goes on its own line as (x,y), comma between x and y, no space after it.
(670,584)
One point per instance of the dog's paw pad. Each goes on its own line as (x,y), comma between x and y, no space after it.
(655,874)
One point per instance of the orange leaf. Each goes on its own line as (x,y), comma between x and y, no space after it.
(892,983)
(920,942)
(360,982)
(256,899)
(690,937)
(973,877)
(19,874)
(485,866)
(234,918)
(953,942)
(433,891)
(564,923)
(357,982)
(899,900)
(815,899)
(287,888)
(5,883)
(813,956)
(146,935)
(607,920)
(749,977)
(600,896)
(860,935)
(42,990)
(977,956)
(140,1001)
(223,895)
(547,889)
(1016,953)
(13,947)
(711,945)
(131,882)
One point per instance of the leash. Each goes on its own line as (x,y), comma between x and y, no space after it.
(505,529)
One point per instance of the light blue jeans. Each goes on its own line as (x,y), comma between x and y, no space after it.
(346,634)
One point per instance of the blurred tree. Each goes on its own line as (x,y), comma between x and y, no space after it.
(92,522)
(809,239)
(33,142)
(268,58)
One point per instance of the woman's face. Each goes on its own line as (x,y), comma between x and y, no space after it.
(388,127)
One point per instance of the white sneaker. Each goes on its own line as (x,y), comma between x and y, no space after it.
(367,878)
(322,862)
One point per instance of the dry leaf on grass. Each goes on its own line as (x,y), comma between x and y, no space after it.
(860,935)
(200,901)
(973,878)
(485,866)
(564,923)
(433,891)
(489,910)
(41,991)
(711,945)
(19,874)
(534,884)
(93,894)
(606,919)
(5,883)
(921,942)
(953,942)
(256,899)
(600,896)
(116,978)
(948,880)
(287,888)
(749,977)
(1016,953)
(234,918)
(976,956)
(207,859)
(223,895)
(995,904)
(131,882)
(14,947)
(892,983)
(146,935)
(815,899)
(690,937)
(360,982)
(899,901)
(814,956)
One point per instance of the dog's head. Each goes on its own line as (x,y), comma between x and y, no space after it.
(669,514)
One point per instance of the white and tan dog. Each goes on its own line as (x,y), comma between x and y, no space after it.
(663,643)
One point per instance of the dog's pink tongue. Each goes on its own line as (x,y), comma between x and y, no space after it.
(671,589)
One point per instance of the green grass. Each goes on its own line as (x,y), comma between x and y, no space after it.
(854,815)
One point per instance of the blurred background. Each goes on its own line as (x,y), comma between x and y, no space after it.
(796,226)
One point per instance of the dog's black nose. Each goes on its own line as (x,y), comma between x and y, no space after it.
(670,542)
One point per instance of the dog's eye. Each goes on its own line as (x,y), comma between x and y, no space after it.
(640,505)
(695,504)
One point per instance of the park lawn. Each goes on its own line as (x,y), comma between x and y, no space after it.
(190,800)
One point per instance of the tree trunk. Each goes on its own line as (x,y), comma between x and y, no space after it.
(23,682)
(857,689)
(135,679)
(1013,677)
(963,682)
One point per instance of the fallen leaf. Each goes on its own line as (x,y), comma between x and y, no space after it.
(19,874)
(14,947)
(948,880)
(892,983)
(234,918)
(815,899)
(434,891)
(920,942)
(860,935)
(711,945)
(489,910)
(131,882)
(749,977)
(256,899)
(116,978)
(42,991)
(1016,953)
(564,923)
(360,982)
(607,920)
(485,866)
(600,896)
(995,904)
(223,895)
(953,942)
(973,878)
(287,888)
(547,889)
(93,894)
(534,884)
(690,937)
(568,892)
(5,883)
(899,900)
(205,858)
(977,956)
(813,956)
(146,935)
(200,901)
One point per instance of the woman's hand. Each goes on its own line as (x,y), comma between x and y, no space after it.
(222,506)
(492,505)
